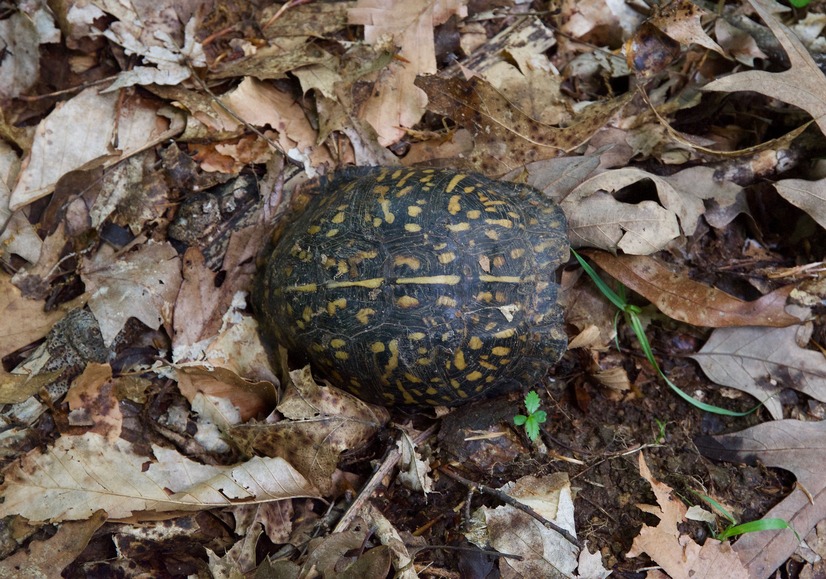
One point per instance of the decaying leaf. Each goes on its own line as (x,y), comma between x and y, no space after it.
(679,297)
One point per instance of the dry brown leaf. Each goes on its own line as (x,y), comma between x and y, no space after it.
(250,398)
(93,402)
(678,555)
(320,424)
(793,445)
(762,362)
(802,85)
(681,298)
(505,137)
(48,558)
(141,284)
(79,474)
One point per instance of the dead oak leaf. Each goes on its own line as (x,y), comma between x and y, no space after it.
(679,555)
(803,85)
(142,284)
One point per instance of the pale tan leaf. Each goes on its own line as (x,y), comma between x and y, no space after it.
(803,85)
(810,196)
(80,474)
(762,362)
(681,21)
(141,284)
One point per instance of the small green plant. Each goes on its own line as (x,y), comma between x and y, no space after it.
(733,530)
(799,3)
(632,318)
(534,418)
(660,437)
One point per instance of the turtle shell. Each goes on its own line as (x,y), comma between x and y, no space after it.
(419,286)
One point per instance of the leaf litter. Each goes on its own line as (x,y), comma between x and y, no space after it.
(136,389)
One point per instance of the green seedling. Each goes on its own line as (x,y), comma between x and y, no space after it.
(660,438)
(799,3)
(733,530)
(534,418)
(632,318)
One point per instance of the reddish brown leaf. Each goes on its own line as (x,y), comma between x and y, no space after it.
(681,298)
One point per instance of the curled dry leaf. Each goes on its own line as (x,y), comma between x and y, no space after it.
(683,299)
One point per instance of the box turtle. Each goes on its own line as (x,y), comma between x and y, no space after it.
(418,287)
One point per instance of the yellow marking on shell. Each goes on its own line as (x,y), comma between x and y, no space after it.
(446,301)
(458,178)
(309,288)
(486,297)
(338,217)
(504,334)
(474,376)
(464,226)
(363,315)
(455,383)
(385,208)
(307,314)
(414,211)
(343,267)
(474,343)
(377,221)
(493,203)
(316,347)
(474,214)
(431,391)
(500,351)
(417,336)
(439,246)
(489,326)
(459,360)
(381,189)
(313,229)
(447,257)
(327,261)
(506,223)
(412,227)
(498,261)
(492,234)
(487,365)
(341,355)
(393,361)
(433,279)
(407,302)
(338,343)
(340,304)
(453,205)
(421,351)
(408,260)
(423,361)
(518,252)
(504,361)
(300,324)
(500,278)
(371,283)
(377,347)
(332,233)
(544,246)
(412,379)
